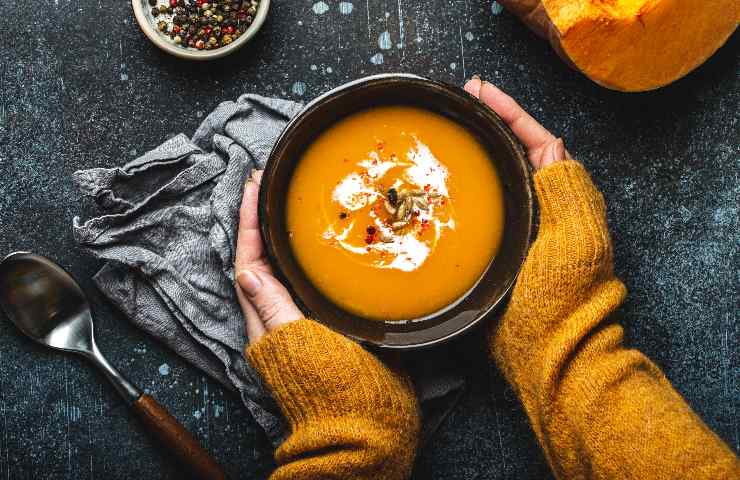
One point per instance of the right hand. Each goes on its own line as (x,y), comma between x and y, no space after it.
(542,147)
(572,249)
(563,212)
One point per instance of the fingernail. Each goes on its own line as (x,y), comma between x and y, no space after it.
(249,282)
(475,77)
(254,172)
(558,150)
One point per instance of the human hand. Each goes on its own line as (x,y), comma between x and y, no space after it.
(265,302)
(572,249)
(542,147)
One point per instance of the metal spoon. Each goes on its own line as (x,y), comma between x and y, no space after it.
(46,304)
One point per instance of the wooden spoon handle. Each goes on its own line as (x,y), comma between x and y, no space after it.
(179,441)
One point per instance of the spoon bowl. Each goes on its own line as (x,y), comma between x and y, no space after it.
(48,305)
(45,303)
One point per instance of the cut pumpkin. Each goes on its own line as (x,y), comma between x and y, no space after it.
(631,45)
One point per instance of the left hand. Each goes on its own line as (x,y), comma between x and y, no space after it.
(265,302)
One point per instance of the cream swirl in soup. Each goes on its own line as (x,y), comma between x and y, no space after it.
(420,178)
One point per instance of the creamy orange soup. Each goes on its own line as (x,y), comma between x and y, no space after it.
(395,212)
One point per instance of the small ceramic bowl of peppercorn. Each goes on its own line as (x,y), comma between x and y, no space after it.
(200,29)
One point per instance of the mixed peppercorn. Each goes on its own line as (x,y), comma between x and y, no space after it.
(204,24)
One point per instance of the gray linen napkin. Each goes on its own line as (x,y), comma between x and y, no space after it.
(167,232)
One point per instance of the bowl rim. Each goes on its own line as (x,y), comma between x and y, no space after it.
(157,38)
(265,221)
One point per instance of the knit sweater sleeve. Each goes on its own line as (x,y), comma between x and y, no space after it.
(599,409)
(350,415)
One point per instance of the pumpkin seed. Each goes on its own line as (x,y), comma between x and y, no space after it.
(421,202)
(399,225)
(401,213)
(393,196)
(389,208)
(409,203)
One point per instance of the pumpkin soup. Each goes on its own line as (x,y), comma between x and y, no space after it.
(395,212)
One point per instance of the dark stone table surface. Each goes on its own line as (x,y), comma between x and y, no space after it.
(80,86)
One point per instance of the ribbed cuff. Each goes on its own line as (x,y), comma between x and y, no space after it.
(573,217)
(570,203)
(315,373)
(565,190)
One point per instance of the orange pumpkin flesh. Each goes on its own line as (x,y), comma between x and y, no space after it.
(631,45)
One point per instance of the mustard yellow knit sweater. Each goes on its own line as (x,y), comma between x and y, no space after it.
(599,410)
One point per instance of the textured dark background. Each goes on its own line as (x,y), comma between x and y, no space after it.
(80,86)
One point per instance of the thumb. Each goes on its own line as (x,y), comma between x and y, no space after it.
(270,299)
(552,152)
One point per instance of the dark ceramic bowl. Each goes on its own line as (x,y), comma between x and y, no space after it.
(400,89)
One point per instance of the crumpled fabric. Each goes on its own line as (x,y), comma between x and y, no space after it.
(167,233)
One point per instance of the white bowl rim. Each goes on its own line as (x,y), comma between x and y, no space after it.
(158,39)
